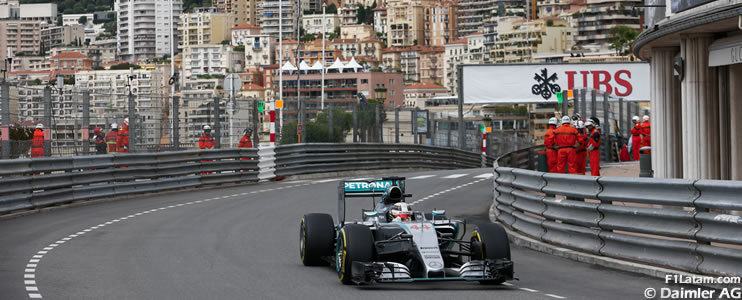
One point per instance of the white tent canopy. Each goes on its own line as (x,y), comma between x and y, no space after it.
(303,66)
(288,67)
(317,66)
(352,64)
(337,65)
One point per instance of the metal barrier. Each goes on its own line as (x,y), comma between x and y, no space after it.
(674,223)
(326,157)
(41,182)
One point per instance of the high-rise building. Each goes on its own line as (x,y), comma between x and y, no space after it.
(144,28)
(19,36)
(405,21)
(471,15)
(269,17)
(244,11)
(56,36)
(597,18)
(440,23)
(206,26)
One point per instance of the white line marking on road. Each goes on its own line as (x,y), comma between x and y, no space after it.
(38,256)
(455,176)
(31,265)
(30,271)
(29,282)
(555,296)
(485,175)
(32,289)
(34,296)
(29,276)
(60,242)
(295,181)
(33,260)
(529,290)
(421,177)
(327,180)
(48,248)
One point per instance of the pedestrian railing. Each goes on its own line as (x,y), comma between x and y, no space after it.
(41,182)
(682,224)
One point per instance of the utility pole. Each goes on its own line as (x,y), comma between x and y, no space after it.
(176,123)
(280,64)
(230,111)
(217,124)
(330,123)
(47,120)
(6,119)
(256,138)
(132,122)
(462,130)
(396,125)
(86,122)
(300,115)
(324,29)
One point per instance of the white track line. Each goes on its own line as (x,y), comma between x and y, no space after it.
(485,175)
(555,296)
(455,176)
(421,177)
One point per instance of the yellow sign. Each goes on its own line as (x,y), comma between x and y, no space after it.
(279,103)
(569,94)
(489,129)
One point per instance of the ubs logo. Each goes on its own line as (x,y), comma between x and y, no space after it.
(545,85)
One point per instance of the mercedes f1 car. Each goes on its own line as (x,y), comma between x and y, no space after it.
(394,243)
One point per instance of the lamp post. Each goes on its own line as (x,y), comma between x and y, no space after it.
(324,29)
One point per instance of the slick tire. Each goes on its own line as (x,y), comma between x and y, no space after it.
(355,243)
(490,241)
(317,239)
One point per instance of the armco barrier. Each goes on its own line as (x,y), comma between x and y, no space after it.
(675,223)
(40,182)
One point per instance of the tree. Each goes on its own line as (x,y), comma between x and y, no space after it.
(83,20)
(37,81)
(240,48)
(331,9)
(622,38)
(226,42)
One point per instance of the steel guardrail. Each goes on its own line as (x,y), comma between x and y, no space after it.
(42,182)
(688,225)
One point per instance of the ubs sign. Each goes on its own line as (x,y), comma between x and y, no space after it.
(533,83)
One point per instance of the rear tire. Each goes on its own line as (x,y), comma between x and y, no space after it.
(355,243)
(317,239)
(490,241)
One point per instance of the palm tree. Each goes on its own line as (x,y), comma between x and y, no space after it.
(622,38)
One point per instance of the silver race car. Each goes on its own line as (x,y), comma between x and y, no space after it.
(393,243)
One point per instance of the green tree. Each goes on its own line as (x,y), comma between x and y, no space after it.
(83,20)
(240,48)
(331,9)
(622,38)
(37,81)
(226,42)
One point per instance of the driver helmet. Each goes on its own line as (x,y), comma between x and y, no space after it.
(402,210)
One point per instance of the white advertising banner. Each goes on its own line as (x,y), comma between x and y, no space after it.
(534,83)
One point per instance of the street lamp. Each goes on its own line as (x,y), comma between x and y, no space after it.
(380,94)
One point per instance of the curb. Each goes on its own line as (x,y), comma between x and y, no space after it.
(608,262)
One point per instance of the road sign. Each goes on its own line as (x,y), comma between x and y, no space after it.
(261,106)
(279,103)
(559,97)
(299,128)
(232,83)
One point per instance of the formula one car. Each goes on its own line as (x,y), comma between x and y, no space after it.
(393,243)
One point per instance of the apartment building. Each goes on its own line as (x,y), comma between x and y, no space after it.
(42,12)
(19,36)
(416,95)
(30,63)
(312,24)
(244,11)
(406,23)
(73,19)
(521,41)
(289,51)
(144,28)
(269,16)
(259,50)
(241,33)
(431,64)
(206,26)
(598,17)
(472,13)
(357,31)
(380,20)
(210,60)
(391,59)
(56,36)
(341,89)
(69,63)
(356,47)
(348,12)
(440,23)
(311,52)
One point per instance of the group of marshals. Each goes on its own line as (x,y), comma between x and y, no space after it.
(571,145)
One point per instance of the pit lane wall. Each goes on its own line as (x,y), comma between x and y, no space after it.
(675,223)
(28,184)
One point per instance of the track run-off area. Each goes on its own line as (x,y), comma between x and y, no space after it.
(242,242)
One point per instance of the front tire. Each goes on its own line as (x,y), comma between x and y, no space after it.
(355,243)
(317,239)
(490,241)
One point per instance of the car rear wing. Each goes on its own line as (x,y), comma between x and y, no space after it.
(365,188)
